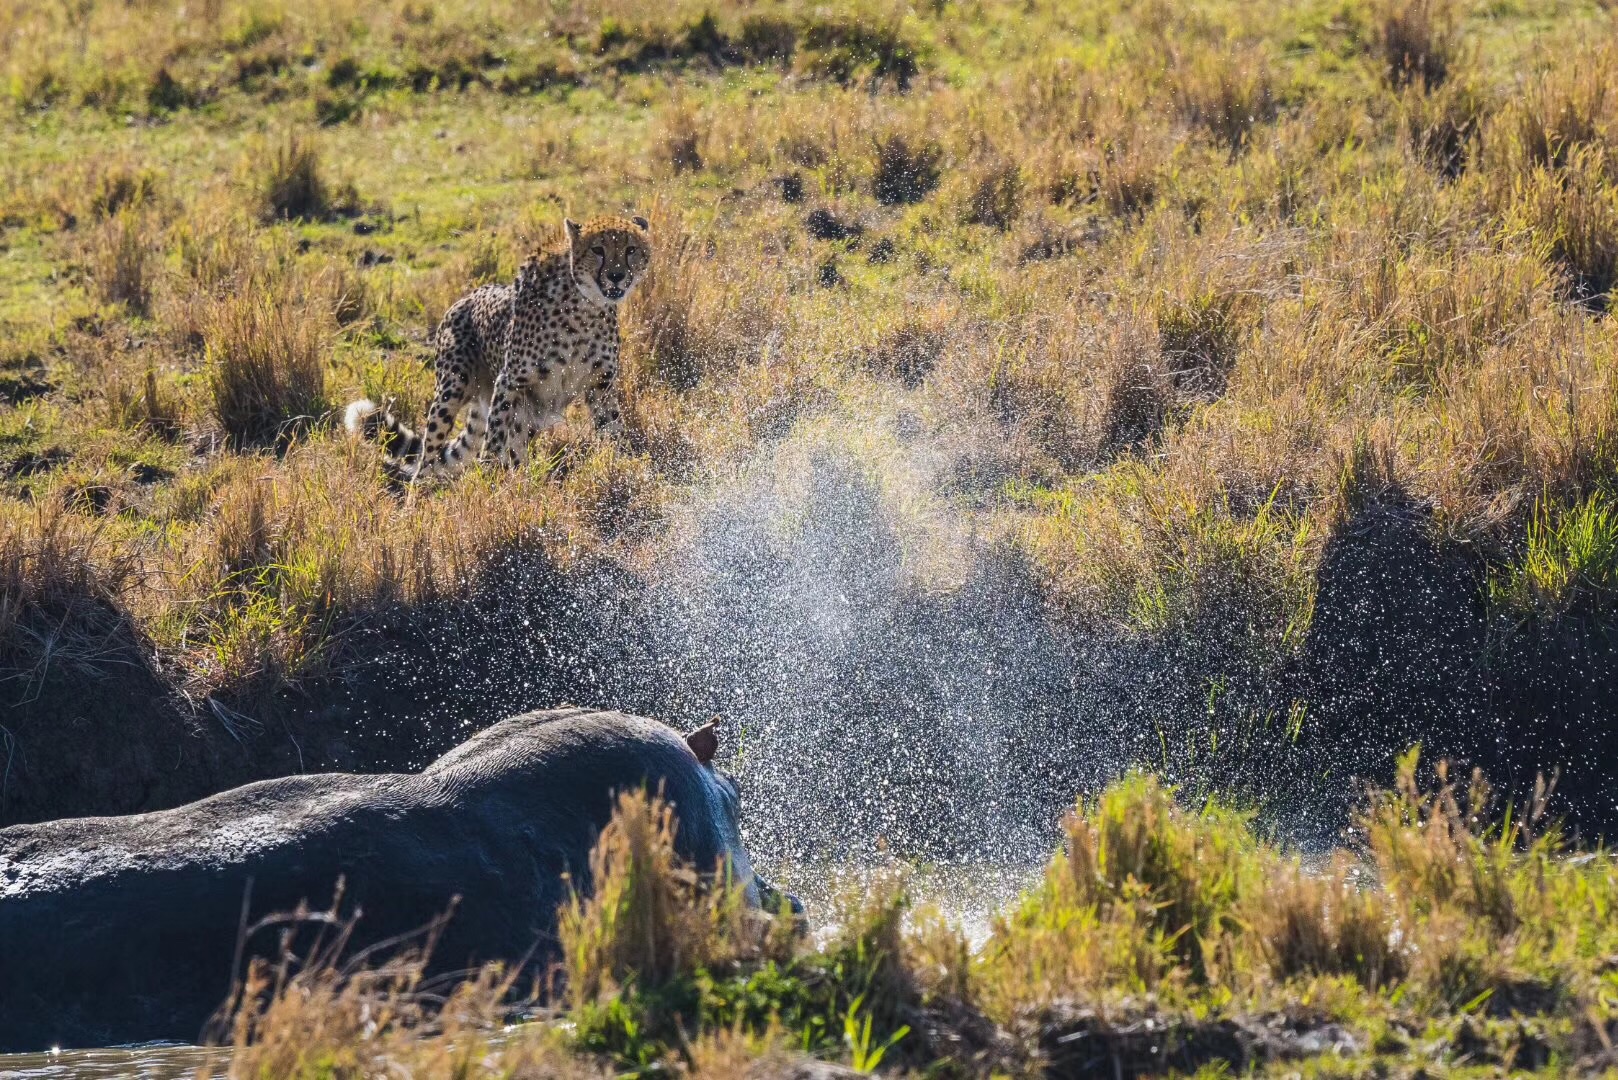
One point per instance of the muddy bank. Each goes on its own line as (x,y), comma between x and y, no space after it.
(871,713)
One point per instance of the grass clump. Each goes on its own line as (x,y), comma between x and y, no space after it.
(267,367)
(121,262)
(1570,563)
(292,183)
(648,921)
(997,196)
(1576,214)
(907,169)
(62,587)
(856,49)
(1419,40)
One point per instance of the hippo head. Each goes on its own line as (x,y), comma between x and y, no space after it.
(704,743)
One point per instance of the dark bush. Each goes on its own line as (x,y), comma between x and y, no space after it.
(997,199)
(852,50)
(906,172)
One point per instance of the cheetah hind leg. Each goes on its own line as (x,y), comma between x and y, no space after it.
(469,445)
(449,402)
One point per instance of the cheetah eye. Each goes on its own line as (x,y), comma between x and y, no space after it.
(599,250)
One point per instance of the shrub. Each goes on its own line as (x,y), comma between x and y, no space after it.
(907,170)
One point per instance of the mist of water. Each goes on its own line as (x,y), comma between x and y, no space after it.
(889,676)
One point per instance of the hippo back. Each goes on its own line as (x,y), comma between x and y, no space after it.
(125,929)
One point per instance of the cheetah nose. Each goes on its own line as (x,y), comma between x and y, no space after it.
(615,276)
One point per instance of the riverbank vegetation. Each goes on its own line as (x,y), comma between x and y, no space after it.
(1452,938)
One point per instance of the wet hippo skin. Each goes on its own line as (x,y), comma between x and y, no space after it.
(125,929)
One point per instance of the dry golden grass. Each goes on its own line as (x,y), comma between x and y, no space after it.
(648,920)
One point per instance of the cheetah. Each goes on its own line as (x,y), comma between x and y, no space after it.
(513,357)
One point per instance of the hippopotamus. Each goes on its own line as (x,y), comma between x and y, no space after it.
(128,929)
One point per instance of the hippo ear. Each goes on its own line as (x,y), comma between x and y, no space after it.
(704,742)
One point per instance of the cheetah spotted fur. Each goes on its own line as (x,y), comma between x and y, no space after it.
(513,357)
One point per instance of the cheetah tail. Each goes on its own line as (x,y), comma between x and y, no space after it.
(372,421)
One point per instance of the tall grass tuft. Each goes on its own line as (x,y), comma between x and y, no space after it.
(121,262)
(662,322)
(62,588)
(907,169)
(1575,213)
(1419,40)
(1564,110)
(1135,845)
(326,1019)
(267,366)
(1570,560)
(1332,921)
(649,918)
(1226,94)
(292,184)
(997,195)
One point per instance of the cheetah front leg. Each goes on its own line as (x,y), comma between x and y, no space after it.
(599,394)
(510,414)
(521,428)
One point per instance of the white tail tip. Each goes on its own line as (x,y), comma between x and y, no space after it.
(357,413)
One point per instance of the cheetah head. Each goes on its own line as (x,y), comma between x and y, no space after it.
(610,255)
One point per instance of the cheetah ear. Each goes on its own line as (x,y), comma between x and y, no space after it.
(572,228)
(645,226)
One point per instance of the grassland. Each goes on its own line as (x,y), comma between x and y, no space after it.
(1187,293)
(1200,283)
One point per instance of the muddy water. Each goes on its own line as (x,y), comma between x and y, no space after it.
(159,1061)
(967,896)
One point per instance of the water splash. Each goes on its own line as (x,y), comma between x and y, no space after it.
(890,678)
